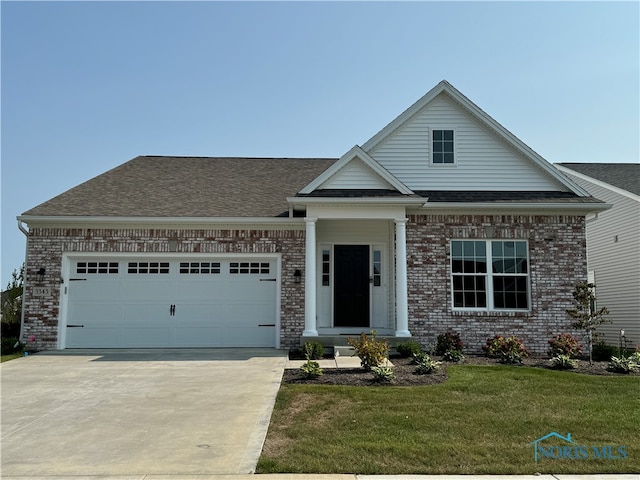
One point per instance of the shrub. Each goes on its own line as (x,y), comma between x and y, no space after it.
(602,352)
(453,356)
(311,369)
(449,341)
(425,364)
(563,362)
(622,365)
(564,344)
(313,350)
(407,349)
(507,350)
(383,374)
(11,345)
(372,352)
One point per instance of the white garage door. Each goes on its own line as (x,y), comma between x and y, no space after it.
(123,303)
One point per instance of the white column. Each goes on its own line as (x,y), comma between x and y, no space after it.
(402,308)
(310,327)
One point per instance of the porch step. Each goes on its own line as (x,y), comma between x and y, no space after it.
(343,351)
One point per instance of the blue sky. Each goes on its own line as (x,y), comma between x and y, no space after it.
(87,86)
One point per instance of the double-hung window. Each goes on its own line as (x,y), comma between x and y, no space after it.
(442,147)
(490,274)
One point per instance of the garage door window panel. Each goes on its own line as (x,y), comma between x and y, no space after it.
(149,268)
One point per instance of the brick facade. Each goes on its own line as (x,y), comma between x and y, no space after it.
(557,253)
(557,261)
(46,246)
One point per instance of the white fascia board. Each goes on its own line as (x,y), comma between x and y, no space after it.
(178,221)
(357,152)
(484,118)
(503,208)
(599,183)
(367,201)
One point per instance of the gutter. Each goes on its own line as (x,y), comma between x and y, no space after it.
(24,280)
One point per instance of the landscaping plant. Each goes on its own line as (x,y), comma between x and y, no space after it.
(408,349)
(372,352)
(623,364)
(564,344)
(507,350)
(383,374)
(563,362)
(311,369)
(587,317)
(425,364)
(313,350)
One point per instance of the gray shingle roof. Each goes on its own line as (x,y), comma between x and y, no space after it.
(150,186)
(621,175)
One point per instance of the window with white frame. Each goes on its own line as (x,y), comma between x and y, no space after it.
(490,274)
(442,147)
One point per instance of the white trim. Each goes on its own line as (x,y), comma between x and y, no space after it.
(599,183)
(480,115)
(431,163)
(182,221)
(357,152)
(506,207)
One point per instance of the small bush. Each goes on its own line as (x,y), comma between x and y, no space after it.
(453,356)
(313,350)
(449,341)
(311,369)
(11,345)
(507,350)
(383,374)
(623,365)
(564,344)
(602,352)
(563,362)
(425,364)
(407,349)
(372,352)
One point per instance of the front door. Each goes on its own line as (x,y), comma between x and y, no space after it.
(351,286)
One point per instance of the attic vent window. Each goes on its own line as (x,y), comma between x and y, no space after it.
(442,143)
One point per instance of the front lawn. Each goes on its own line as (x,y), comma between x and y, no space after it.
(481,420)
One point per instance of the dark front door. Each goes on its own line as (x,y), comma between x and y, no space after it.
(351,286)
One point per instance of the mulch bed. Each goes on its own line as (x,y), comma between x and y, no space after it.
(405,376)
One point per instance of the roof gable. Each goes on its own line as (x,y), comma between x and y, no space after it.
(488,156)
(356,170)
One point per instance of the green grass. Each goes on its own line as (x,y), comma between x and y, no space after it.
(480,421)
(11,356)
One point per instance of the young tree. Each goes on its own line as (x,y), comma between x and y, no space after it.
(12,304)
(585,315)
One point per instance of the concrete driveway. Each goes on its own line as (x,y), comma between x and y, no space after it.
(137,412)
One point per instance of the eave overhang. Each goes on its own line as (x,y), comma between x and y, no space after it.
(175,222)
(500,208)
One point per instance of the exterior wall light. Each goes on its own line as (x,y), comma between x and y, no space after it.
(40,275)
(297,276)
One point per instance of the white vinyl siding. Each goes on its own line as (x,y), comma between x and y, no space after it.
(483,162)
(355,175)
(613,254)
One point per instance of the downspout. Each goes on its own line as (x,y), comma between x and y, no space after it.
(24,280)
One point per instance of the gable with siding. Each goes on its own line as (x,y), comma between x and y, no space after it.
(488,157)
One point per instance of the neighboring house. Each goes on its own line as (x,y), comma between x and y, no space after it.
(613,243)
(442,221)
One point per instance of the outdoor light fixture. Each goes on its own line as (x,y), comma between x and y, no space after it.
(41,273)
(297,276)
